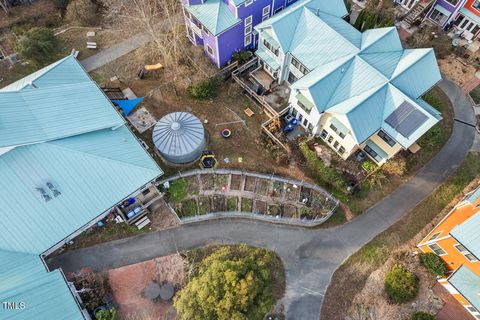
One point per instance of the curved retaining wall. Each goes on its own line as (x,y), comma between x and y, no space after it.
(252,215)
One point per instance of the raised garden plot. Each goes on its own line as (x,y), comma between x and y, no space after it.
(250,184)
(204,205)
(187,208)
(219,203)
(262,187)
(221,182)
(232,204)
(235,182)
(247,205)
(277,189)
(260,207)
(199,195)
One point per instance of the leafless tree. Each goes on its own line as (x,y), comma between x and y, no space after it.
(4,5)
(160,19)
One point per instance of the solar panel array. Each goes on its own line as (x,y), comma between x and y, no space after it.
(406,119)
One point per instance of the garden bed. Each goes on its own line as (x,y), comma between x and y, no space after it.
(235,182)
(250,183)
(260,207)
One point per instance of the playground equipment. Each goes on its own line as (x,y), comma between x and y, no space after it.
(147,68)
(226,133)
(208,160)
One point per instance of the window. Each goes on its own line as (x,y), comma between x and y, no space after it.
(291,78)
(336,144)
(372,153)
(324,134)
(435,236)
(437,249)
(335,129)
(266,13)
(248,21)
(278,10)
(472,309)
(248,2)
(385,137)
(270,47)
(300,67)
(248,29)
(470,257)
(247,40)
(210,50)
(305,122)
(330,139)
(341,150)
(476,4)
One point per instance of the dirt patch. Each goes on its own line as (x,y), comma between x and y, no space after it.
(292,193)
(129,282)
(457,71)
(290,211)
(219,204)
(208,182)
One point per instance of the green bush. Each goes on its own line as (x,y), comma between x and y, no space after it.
(205,89)
(420,315)
(231,283)
(369,166)
(38,45)
(401,285)
(434,264)
(241,56)
(110,314)
(321,172)
(177,190)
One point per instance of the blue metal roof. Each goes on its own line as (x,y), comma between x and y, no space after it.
(467,234)
(66,136)
(364,77)
(468,284)
(215,15)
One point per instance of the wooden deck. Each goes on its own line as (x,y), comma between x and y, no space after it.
(452,309)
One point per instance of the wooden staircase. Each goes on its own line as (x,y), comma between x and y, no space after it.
(416,12)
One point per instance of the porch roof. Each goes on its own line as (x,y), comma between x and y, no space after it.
(470,15)
(263,55)
(377,149)
(468,284)
(304,100)
(442,10)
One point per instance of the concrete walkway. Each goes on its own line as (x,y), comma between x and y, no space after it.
(310,256)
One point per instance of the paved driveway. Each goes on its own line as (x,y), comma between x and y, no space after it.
(310,256)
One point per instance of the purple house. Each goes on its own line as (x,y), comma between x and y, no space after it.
(444,12)
(224,27)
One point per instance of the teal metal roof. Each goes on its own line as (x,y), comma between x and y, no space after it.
(46,295)
(474,196)
(467,234)
(363,76)
(215,15)
(468,284)
(265,56)
(470,15)
(441,9)
(64,132)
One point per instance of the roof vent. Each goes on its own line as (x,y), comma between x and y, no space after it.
(33,85)
(44,195)
(54,190)
(318,12)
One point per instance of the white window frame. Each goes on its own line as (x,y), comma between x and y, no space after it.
(465,252)
(435,236)
(248,2)
(440,255)
(248,20)
(247,40)
(266,13)
(248,30)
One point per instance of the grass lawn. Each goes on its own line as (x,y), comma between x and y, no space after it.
(339,217)
(188,208)
(475,94)
(351,276)
(232,204)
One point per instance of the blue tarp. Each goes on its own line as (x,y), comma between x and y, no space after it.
(127,105)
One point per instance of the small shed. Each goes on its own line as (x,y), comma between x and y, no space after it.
(179,137)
